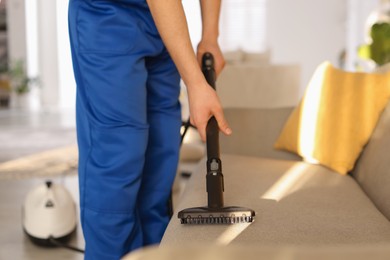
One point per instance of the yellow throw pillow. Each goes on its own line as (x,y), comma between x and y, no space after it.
(336,117)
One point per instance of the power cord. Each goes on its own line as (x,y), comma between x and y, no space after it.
(58,243)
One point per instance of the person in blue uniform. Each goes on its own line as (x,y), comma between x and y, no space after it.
(128,57)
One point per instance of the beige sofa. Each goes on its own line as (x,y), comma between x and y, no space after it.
(249,80)
(303,211)
(296,203)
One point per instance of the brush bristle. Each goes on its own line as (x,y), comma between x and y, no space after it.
(227,215)
(216,220)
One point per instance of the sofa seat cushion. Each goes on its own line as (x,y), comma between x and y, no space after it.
(295,203)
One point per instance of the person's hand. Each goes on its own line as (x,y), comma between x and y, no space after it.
(212,47)
(203,99)
(204,104)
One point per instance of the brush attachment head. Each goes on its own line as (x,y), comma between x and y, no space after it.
(215,213)
(224,215)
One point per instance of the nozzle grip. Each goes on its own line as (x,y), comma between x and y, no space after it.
(212,129)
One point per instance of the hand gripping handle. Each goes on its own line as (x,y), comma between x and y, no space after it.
(212,130)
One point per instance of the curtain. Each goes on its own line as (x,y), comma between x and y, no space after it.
(243,25)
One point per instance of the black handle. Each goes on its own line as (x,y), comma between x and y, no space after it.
(214,177)
(212,130)
(208,68)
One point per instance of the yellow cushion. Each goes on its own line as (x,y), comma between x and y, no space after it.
(336,117)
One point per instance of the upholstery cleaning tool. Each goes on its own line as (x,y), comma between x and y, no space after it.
(215,212)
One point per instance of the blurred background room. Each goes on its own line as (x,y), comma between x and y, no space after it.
(272,47)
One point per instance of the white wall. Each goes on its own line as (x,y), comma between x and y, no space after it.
(306,32)
(192,11)
(242,24)
(32,37)
(49,52)
(48,63)
(66,78)
(16,29)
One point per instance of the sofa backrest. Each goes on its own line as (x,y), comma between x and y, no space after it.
(240,56)
(255,131)
(372,170)
(248,85)
(250,80)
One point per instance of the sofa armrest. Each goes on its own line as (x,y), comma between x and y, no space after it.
(255,131)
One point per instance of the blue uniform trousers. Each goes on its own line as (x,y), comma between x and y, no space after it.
(128,123)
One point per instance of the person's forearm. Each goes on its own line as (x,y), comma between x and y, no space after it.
(210,19)
(172,25)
